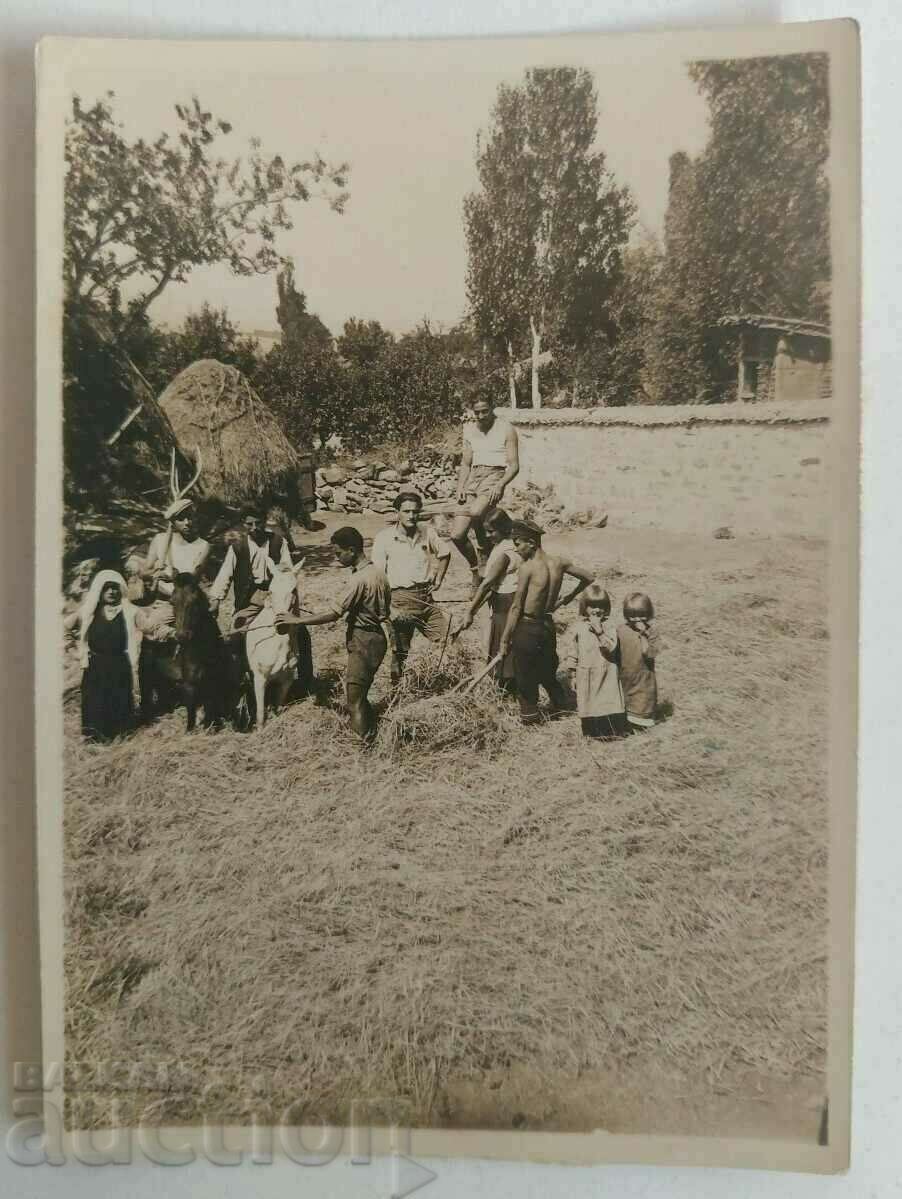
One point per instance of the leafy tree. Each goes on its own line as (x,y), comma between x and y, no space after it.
(419,385)
(546,230)
(299,327)
(208,333)
(747,227)
(609,368)
(363,343)
(143,214)
(99,387)
(308,389)
(415,383)
(762,176)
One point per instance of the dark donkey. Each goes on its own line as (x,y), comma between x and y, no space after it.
(201,664)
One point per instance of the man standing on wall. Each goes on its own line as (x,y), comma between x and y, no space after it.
(490,460)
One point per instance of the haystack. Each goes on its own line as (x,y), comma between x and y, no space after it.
(246,454)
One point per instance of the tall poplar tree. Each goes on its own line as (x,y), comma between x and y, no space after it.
(546,229)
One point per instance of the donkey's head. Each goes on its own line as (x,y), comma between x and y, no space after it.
(189,605)
(283,588)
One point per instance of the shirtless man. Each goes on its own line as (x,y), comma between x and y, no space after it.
(530,631)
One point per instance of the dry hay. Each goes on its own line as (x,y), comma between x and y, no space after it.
(350,924)
(245,451)
(424,714)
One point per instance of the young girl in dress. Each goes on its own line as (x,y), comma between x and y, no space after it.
(637,649)
(592,660)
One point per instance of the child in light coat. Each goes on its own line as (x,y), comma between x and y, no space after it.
(593,663)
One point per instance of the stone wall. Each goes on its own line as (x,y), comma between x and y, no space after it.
(757,469)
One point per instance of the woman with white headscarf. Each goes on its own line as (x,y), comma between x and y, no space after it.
(109,648)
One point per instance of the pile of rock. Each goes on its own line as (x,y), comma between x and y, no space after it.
(371,487)
(540,505)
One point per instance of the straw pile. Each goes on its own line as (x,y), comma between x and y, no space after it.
(534,938)
(246,453)
(424,715)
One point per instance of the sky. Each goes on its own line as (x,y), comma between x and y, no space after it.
(405,116)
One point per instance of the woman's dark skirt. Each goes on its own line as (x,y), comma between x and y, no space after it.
(107,707)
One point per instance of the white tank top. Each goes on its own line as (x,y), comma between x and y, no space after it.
(488,448)
(508,584)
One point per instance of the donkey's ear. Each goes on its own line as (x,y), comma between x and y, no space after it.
(299,566)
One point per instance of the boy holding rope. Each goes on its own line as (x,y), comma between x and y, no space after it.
(367,606)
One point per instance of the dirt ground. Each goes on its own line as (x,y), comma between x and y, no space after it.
(538,933)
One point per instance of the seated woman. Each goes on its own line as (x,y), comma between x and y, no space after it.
(109,646)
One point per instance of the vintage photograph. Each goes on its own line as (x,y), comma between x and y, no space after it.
(457,453)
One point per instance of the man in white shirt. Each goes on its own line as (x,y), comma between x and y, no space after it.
(415,560)
(490,460)
(247,568)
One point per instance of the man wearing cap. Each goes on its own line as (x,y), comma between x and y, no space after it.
(177,549)
(530,631)
(414,559)
(366,604)
(489,461)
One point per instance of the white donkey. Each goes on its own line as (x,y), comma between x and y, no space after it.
(273,656)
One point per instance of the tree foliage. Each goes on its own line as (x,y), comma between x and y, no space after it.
(100,385)
(546,230)
(747,227)
(762,180)
(373,388)
(299,327)
(142,214)
(363,343)
(307,389)
(609,368)
(207,333)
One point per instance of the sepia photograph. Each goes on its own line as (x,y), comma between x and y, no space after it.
(447,567)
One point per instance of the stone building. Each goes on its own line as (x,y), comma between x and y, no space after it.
(780,359)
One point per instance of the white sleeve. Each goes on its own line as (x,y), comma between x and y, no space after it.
(222,580)
(153,551)
(285,555)
(437,545)
(379,554)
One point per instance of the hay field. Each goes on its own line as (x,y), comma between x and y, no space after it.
(514,929)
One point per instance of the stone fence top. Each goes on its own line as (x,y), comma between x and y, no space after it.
(654,415)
